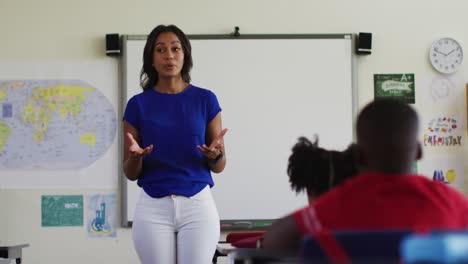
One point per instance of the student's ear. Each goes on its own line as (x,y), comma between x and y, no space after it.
(419,152)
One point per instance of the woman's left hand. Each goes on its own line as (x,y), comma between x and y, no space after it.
(215,148)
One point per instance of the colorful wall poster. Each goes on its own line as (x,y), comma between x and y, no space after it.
(62,210)
(442,131)
(101,215)
(398,86)
(448,169)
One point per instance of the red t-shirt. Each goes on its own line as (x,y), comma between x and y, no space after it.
(383,201)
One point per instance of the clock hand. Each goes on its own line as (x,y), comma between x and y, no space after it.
(450,52)
(440,52)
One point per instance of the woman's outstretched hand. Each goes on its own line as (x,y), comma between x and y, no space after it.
(213,151)
(135,150)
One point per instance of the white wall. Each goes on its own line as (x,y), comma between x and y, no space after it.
(53,30)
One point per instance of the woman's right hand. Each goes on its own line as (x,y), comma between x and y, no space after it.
(136,152)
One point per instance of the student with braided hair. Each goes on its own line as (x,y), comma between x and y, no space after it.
(316,170)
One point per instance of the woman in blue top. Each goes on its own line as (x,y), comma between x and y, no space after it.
(173,140)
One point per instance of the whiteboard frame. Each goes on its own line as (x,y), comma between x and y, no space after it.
(226,224)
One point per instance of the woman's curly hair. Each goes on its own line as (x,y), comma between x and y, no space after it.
(316,169)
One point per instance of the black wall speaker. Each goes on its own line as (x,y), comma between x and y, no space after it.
(112,44)
(364,43)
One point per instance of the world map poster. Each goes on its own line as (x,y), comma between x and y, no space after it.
(53,124)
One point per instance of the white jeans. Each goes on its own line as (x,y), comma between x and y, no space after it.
(176,229)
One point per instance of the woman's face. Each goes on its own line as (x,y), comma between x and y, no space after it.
(168,55)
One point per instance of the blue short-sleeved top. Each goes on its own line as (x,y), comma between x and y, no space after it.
(175,124)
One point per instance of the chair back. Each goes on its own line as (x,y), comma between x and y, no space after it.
(353,246)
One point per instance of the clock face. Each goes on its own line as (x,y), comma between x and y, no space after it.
(446,55)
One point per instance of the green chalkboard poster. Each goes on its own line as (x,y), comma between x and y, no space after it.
(398,86)
(62,210)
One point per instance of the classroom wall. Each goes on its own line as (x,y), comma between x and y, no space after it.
(52,30)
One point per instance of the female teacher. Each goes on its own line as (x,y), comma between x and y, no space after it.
(173,141)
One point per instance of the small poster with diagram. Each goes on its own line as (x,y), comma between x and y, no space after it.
(101,216)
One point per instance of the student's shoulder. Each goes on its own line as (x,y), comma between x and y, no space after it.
(446,187)
(423,180)
(443,188)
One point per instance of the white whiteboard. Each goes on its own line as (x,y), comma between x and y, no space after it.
(272,89)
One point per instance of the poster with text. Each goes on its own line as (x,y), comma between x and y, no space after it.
(442,131)
(62,210)
(398,86)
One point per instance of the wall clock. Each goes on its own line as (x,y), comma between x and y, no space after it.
(446,55)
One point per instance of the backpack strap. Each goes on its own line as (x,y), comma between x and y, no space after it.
(331,247)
